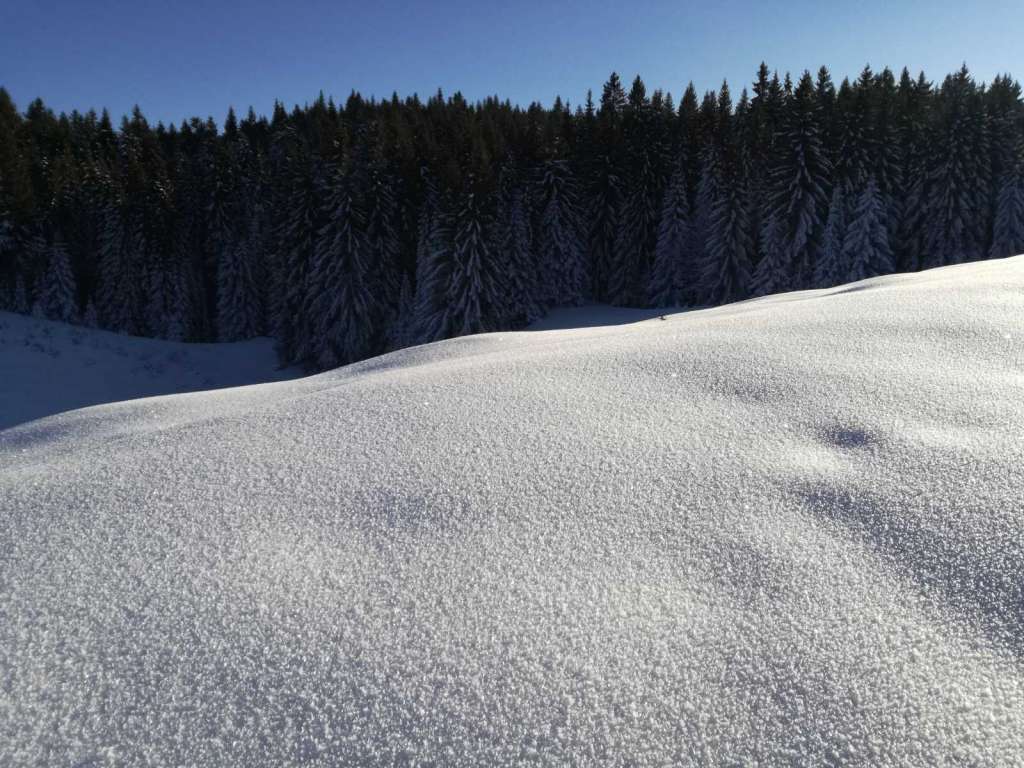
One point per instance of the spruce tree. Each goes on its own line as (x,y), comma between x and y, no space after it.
(239,306)
(476,290)
(637,236)
(772,272)
(725,273)
(957,208)
(514,249)
(605,222)
(57,295)
(342,299)
(799,182)
(292,259)
(831,268)
(117,286)
(866,249)
(560,252)
(1008,229)
(433,265)
(673,269)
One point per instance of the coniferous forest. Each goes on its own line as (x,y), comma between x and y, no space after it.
(346,231)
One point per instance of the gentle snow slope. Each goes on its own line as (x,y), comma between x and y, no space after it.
(787,531)
(47,367)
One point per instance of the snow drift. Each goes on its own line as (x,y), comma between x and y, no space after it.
(786,531)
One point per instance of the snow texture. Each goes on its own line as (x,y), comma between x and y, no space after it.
(48,367)
(783,532)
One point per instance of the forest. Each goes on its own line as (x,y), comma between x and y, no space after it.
(344,231)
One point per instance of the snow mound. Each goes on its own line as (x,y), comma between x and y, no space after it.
(51,367)
(788,531)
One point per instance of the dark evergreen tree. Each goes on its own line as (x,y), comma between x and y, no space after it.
(341,297)
(673,269)
(57,295)
(866,250)
(799,182)
(476,290)
(1008,230)
(831,268)
(562,266)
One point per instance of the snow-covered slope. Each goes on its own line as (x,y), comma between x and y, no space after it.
(787,531)
(48,368)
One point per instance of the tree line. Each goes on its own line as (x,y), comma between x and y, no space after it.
(347,230)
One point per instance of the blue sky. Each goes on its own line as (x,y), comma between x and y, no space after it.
(177,59)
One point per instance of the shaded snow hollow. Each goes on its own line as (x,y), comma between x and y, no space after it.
(48,367)
(787,531)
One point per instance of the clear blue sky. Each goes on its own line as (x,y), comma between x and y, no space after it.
(183,58)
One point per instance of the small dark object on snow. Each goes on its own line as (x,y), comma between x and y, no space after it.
(662,317)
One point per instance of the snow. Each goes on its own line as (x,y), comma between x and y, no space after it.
(47,367)
(786,531)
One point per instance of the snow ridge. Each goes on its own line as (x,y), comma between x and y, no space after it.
(785,531)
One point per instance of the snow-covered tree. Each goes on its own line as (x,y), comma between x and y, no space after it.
(725,273)
(710,190)
(122,244)
(402,330)
(1008,229)
(866,250)
(672,268)
(239,305)
(772,272)
(515,252)
(433,265)
(958,205)
(57,295)
(563,269)
(383,240)
(605,220)
(291,261)
(830,268)
(476,288)
(343,302)
(637,236)
(799,180)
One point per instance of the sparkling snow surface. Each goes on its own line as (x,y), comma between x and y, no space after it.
(788,531)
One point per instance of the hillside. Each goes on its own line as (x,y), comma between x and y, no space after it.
(785,531)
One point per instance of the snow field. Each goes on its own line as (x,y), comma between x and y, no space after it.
(786,531)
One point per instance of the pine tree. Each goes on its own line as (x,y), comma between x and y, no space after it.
(799,182)
(476,289)
(292,259)
(672,270)
(831,268)
(402,330)
(710,191)
(915,147)
(90,318)
(383,240)
(725,273)
(515,252)
(1008,230)
(116,300)
(772,272)
(20,302)
(605,218)
(342,300)
(57,295)
(866,249)
(559,242)
(239,309)
(959,176)
(433,266)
